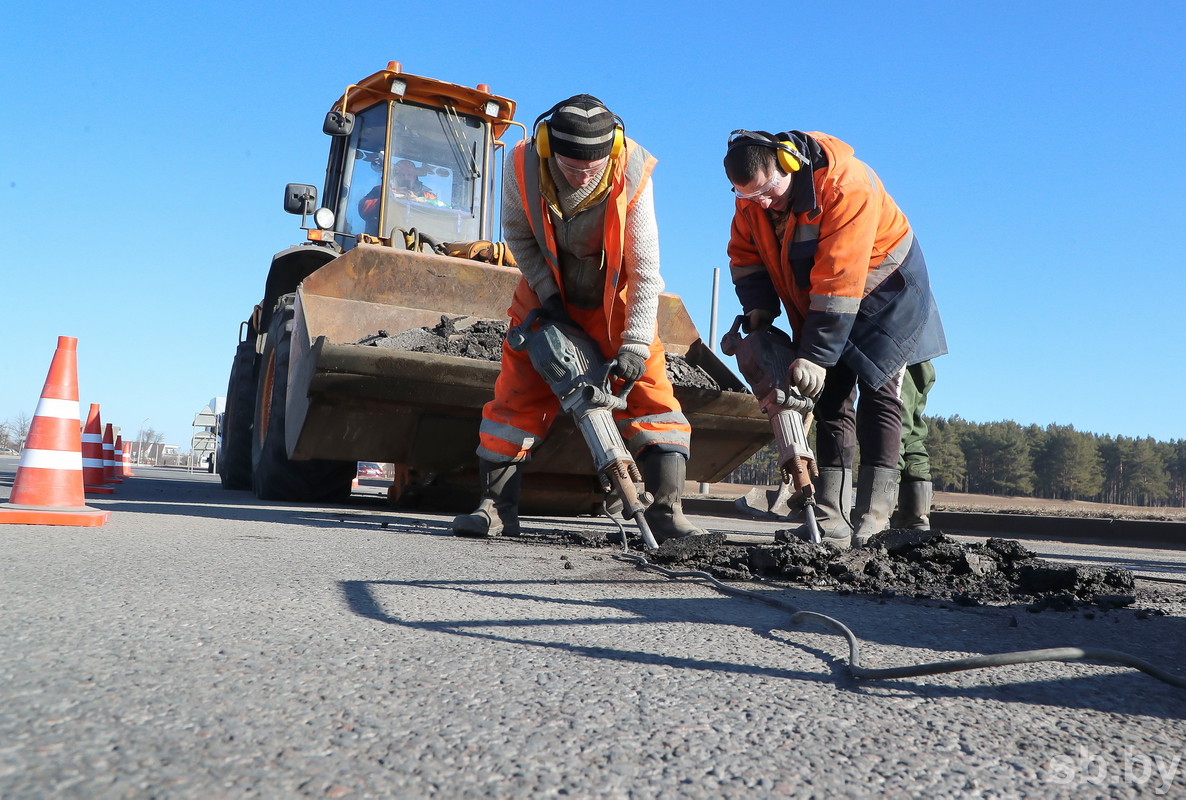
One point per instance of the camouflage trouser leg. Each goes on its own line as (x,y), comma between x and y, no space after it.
(914,461)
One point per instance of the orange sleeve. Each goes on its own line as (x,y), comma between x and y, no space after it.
(743,251)
(848,231)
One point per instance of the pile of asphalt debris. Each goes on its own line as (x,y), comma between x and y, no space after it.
(924,565)
(482,339)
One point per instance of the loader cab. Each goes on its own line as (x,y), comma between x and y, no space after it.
(407,166)
(415,153)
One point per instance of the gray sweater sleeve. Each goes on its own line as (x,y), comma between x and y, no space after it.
(641,261)
(517,231)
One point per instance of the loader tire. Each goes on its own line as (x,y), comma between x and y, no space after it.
(234,457)
(274,476)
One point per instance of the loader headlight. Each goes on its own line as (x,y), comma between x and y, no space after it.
(491,108)
(324,218)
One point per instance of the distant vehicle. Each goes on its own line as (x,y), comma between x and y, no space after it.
(368,469)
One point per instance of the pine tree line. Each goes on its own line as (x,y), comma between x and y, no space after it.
(1058,462)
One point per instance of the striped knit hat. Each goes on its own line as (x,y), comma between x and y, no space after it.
(581,127)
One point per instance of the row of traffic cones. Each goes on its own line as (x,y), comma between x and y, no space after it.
(61,459)
(103,460)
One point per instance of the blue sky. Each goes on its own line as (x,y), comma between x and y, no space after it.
(1036,148)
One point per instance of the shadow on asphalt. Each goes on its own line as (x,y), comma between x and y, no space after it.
(914,627)
(905,624)
(361,600)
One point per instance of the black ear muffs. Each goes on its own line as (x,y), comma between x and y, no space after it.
(788,155)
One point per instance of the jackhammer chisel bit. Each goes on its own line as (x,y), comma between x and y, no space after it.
(572,365)
(764,357)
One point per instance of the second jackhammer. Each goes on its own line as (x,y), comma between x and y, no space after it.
(764,357)
(573,366)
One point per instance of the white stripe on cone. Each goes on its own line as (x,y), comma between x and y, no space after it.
(51,459)
(56,408)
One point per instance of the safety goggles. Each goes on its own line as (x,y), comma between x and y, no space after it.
(582,172)
(768,190)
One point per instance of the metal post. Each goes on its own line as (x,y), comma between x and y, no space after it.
(712,331)
(712,324)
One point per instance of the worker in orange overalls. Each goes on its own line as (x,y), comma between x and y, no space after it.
(814,229)
(578,215)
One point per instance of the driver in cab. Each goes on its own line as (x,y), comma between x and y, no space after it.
(405,184)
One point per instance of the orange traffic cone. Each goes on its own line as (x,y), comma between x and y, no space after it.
(92,454)
(48,485)
(122,461)
(109,455)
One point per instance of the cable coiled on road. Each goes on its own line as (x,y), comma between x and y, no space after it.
(934,668)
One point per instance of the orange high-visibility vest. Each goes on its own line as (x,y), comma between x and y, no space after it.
(628,178)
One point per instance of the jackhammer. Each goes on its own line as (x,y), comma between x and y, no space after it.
(764,357)
(572,365)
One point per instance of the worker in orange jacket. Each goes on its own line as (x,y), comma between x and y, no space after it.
(814,229)
(578,216)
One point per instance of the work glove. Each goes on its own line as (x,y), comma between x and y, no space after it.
(759,319)
(807,377)
(630,366)
(554,310)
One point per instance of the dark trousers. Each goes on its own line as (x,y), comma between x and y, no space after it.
(839,428)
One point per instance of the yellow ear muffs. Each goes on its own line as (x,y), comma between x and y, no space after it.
(788,156)
(619,141)
(786,151)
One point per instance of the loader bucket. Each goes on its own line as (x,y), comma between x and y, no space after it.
(422,411)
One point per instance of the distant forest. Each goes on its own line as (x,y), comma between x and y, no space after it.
(1059,462)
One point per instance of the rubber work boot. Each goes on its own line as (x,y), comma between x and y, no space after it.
(833,499)
(914,505)
(664,474)
(498,511)
(877,494)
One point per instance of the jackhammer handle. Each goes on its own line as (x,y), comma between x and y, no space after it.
(609,371)
(741,323)
(517,334)
(732,339)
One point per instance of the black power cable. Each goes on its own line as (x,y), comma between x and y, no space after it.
(866,673)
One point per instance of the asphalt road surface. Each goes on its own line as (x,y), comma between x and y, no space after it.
(205,644)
